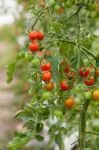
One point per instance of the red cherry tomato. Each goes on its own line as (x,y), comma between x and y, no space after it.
(40,35)
(46,67)
(34,47)
(89,81)
(46,76)
(32,35)
(84,72)
(64,85)
(67,69)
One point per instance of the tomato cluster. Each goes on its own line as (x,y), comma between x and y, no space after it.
(85,73)
(69,76)
(33,36)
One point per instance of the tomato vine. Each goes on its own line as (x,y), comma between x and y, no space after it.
(60,73)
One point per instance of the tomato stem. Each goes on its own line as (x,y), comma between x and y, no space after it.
(82,125)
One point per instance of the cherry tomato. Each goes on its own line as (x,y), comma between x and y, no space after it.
(58,113)
(49,86)
(96,95)
(40,35)
(60,10)
(46,95)
(33,35)
(34,47)
(35,62)
(97,72)
(42,3)
(46,67)
(46,76)
(69,103)
(89,81)
(88,95)
(84,72)
(66,69)
(64,86)
(28,56)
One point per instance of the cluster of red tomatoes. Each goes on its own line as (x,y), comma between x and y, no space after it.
(85,73)
(45,67)
(71,75)
(34,36)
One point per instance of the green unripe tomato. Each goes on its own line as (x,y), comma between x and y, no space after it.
(88,95)
(58,113)
(46,95)
(52,2)
(56,7)
(77,89)
(35,62)
(28,56)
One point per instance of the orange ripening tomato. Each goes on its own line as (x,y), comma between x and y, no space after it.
(42,3)
(97,72)
(60,10)
(96,95)
(69,103)
(46,76)
(49,86)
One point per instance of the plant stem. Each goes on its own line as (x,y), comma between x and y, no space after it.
(38,16)
(91,132)
(82,125)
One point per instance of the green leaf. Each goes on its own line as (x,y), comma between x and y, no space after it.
(10,71)
(19,141)
(56,26)
(18,113)
(39,127)
(39,138)
(59,141)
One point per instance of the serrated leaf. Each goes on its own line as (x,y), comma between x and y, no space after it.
(19,141)
(10,71)
(56,26)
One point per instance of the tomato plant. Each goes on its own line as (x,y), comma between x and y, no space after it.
(62,73)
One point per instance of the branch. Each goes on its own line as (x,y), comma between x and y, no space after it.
(39,15)
(84,48)
(88,58)
(91,132)
(82,125)
(75,13)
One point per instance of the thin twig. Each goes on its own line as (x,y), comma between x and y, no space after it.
(89,52)
(75,13)
(39,15)
(88,58)
(91,132)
